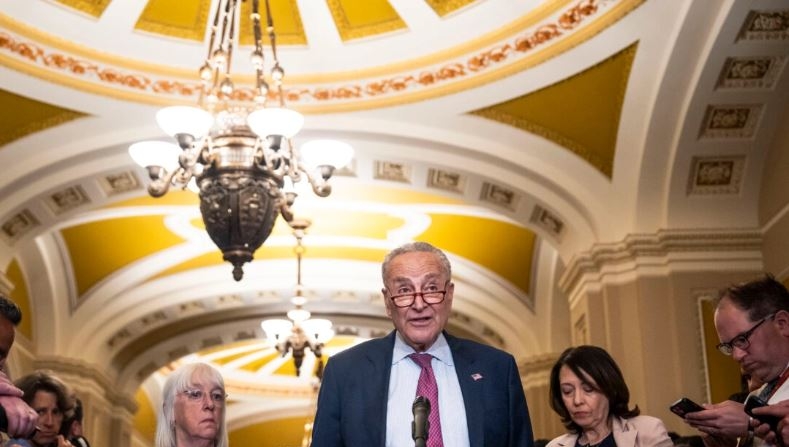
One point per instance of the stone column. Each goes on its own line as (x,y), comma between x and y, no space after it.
(535,376)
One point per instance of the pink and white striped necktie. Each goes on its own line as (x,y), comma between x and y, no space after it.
(428,388)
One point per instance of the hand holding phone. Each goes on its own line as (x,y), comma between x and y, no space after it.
(684,406)
(753,401)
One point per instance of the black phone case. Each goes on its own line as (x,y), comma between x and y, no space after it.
(684,406)
(753,401)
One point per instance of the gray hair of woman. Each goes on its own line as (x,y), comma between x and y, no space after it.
(177,382)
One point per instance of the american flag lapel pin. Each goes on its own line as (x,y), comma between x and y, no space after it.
(476,376)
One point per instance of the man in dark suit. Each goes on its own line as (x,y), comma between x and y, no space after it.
(367,391)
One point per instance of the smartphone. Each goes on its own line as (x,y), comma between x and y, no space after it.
(753,401)
(685,406)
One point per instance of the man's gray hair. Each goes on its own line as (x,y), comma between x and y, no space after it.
(412,247)
(177,382)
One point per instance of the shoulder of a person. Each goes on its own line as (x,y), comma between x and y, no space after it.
(478,349)
(17,442)
(567,439)
(353,353)
(780,394)
(644,421)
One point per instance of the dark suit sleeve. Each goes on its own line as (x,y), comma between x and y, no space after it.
(520,424)
(326,428)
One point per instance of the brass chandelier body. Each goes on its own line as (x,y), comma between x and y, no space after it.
(238,151)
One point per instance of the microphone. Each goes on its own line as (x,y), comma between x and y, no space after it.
(420,426)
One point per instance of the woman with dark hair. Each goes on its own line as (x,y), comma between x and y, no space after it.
(51,398)
(589,393)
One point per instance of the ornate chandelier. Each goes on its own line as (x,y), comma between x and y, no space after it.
(300,332)
(235,148)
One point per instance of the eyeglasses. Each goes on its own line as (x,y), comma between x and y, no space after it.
(429,297)
(742,340)
(195,395)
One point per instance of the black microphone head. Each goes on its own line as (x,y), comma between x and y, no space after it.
(421,403)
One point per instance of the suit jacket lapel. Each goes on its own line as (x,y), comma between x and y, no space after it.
(377,386)
(471,389)
(624,433)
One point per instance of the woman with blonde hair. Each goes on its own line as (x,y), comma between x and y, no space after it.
(193,408)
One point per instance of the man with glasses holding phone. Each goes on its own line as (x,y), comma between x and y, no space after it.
(368,392)
(752,321)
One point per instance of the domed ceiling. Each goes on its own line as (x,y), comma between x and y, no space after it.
(515,135)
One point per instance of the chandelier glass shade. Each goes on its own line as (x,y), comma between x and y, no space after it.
(234,146)
(299,332)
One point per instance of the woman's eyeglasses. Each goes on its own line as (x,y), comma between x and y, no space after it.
(196,395)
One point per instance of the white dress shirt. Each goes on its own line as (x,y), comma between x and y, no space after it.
(402,391)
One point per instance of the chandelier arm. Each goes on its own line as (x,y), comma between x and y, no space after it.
(266,160)
(181,179)
(320,187)
(294,170)
(205,156)
(285,211)
(159,186)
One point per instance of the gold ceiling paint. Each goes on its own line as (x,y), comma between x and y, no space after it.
(288,27)
(357,19)
(145,417)
(222,360)
(98,249)
(173,197)
(214,258)
(209,259)
(507,250)
(245,344)
(19,294)
(273,433)
(444,7)
(185,19)
(580,113)
(286,368)
(255,365)
(30,116)
(94,8)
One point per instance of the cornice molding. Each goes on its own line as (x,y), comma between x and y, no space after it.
(664,249)
(541,363)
